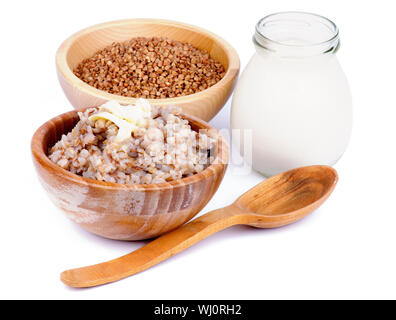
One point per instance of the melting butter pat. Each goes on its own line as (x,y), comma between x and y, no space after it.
(126,118)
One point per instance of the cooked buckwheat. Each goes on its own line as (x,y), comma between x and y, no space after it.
(165,150)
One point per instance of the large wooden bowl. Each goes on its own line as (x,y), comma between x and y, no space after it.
(84,44)
(122,211)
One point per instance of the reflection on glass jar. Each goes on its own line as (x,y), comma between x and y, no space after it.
(293,94)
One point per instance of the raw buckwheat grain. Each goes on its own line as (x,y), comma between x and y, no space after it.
(152,68)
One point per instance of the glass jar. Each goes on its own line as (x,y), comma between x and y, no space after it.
(293,94)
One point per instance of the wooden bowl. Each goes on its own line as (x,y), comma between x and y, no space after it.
(124,211)
(84,44)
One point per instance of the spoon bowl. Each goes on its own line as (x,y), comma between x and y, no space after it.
(288,197)
(278,201)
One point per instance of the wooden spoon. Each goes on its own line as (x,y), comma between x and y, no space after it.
(278,201)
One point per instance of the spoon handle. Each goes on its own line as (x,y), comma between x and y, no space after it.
(154,252)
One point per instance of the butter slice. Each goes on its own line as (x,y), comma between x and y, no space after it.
(126,118)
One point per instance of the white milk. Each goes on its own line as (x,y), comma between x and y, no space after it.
(297,102)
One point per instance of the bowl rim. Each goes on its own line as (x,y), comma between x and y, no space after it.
(64,69)
(40,155)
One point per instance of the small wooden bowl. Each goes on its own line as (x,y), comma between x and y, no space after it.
(84,44)
(124,211)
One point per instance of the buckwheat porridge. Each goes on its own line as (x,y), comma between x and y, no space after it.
(134,144)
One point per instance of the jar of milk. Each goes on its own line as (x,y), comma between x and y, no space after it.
(293,94)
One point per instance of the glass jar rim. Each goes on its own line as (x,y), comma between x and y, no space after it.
(288,26)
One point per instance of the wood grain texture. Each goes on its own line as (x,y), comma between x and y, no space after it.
(122,211)
(83,44)
(278,201)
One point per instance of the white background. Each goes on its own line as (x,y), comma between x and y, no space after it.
(346,249)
